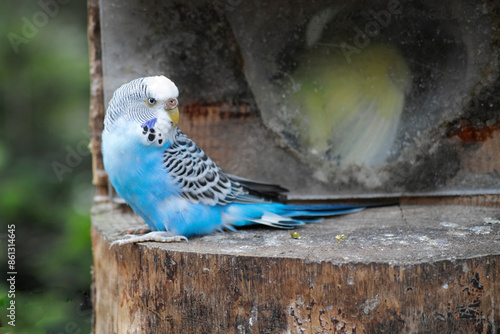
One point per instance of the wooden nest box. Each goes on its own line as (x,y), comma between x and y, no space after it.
(355,101)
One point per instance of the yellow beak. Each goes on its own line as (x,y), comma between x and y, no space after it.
(174,115)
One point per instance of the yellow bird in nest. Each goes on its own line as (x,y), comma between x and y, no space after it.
(349,109)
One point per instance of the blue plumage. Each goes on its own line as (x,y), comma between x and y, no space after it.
(172,184)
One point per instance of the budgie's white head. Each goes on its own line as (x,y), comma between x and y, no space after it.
(150,103)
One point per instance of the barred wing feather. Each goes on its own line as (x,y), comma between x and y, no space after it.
(202,181)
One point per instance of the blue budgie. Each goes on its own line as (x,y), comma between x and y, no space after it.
(172,184)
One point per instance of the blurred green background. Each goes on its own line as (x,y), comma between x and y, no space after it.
(45,166)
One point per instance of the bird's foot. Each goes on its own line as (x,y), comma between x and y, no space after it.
(159,236)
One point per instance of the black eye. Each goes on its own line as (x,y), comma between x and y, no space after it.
(151,101)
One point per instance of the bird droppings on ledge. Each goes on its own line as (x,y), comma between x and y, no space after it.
(396,234)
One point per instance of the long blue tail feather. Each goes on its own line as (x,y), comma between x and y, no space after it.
(324,207)
(288,216)
(320,210)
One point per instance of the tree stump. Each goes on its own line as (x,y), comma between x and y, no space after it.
(400,269)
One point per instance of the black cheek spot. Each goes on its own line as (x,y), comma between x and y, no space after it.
(145,128)
(160,141)
(151,137)
(152,130)
(159,134)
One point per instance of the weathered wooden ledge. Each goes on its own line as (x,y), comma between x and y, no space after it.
(401,269)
